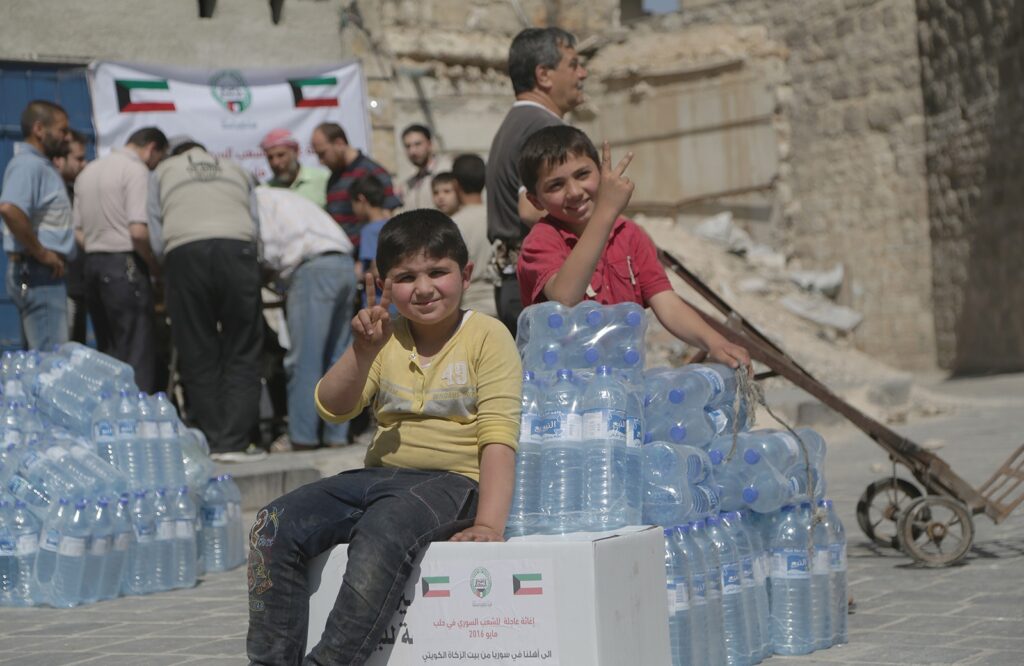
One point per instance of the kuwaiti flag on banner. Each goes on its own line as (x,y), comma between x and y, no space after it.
(228,110)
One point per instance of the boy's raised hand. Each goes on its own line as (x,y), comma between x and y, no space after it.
(616,187)
(371,327)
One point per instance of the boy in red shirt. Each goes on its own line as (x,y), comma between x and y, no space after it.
(584,249)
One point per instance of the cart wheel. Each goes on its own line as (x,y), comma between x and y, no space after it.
(936,531)
(880,507)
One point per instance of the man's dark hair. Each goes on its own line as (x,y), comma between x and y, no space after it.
(370,187)
(424,230)
(147,135)
(184,147)
(443,178)
(532,47)
(332,131)
(469,171)
(39,111)
(422,129)
(549,147)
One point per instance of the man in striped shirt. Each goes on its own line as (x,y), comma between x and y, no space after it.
(347,164)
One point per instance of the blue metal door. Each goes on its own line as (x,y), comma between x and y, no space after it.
(20,83)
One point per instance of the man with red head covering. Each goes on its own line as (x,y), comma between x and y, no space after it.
(282,152)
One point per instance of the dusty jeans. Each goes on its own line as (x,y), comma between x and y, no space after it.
(386,516)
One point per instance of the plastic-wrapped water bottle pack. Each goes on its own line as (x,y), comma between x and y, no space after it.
(103,491)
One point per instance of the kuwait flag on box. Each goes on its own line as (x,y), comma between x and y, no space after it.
(436,586)
(526,583)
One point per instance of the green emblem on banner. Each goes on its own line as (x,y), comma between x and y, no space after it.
(480,582)
(230,90)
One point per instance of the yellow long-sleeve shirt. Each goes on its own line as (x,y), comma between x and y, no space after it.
(440,416)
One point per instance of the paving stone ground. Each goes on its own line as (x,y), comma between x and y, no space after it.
(905,615)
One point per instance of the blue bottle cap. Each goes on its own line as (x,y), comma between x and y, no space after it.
(631,357)
(102,502)
(685,529)
(750,494)
(751,456)
(550,357)
(63,501)
(648,438)
(183,490)
(528,375)
(668,532)
(565,373)
(676,396)
(716,457)
(555,320)
(20,504)
(139,494)
(634,318)
(591,356)
(677,433)
(789,508)
(594,318)
(733,516)
(81,504)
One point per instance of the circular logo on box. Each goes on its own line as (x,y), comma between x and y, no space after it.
(230,90)
(480,582)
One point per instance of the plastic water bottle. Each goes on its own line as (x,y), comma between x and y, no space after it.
(72,547)
(606,505)
(139,569)
(129,458)
(588,320)
(752,600)
(693,428)
(705,500)
(549,326)
(752,558)
(152,475)
(166,530)
(713,592)
(99,550)
(104,428)
(32,427)
(790,585)
(168,451)
(695,570)
(92,361)
(778,448)
(8,555)
(25,529)
(767,490)
(525,509)
(38,499)
(562,472)
(215,528)
(39,468)
(86,483)
(837,573)
(49,540)
(236,526)
(815,445)
(549,319)
(678,592)
(623,345)
(111,479)
(122,548)
(720,380)
(729,481)
(821,581)
(669,476)
(734,615)
(184,539)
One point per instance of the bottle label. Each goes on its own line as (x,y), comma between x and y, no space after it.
(634,432)
(168,429)
(604,424)
(731,581)
(791,564)
(17,486)
(100,546)
(713,585)
(165,530)
(50,541)
(837,557)
(70,546)
(699,591)
(122,541)
(149,430)
(719,420)
(527,432)
(215,516)
(563,427)
(713,379)
(670,589)
(28,544)
(8,546)
(682,597)
(748,571)
(822,562)
(184,529)
(126,427)
(103,431)
(760,569)
(144,533)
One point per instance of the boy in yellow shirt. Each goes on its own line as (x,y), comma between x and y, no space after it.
(445,387)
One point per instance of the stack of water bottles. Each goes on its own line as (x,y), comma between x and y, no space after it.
(579,462)
(104,492)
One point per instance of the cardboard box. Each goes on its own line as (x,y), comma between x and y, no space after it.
(586,599)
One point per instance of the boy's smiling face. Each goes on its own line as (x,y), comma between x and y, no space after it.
(568,191)
(427,290)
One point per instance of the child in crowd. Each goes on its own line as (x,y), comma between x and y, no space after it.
(446,199)
(584,249)
(367,196)
(471,218)
(441,464)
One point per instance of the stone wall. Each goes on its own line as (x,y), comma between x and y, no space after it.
(857,191)
(972,68)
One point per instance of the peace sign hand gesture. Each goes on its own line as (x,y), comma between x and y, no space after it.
(371,327)
(616,188)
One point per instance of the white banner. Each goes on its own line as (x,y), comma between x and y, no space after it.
(228,110)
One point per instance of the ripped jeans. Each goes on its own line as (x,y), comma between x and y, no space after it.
(386,516)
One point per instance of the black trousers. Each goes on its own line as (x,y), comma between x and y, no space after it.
(213,299)
(119,297)
(508,302)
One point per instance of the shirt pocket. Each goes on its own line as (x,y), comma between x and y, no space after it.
(621,282)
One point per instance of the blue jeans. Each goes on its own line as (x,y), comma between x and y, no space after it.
(319,316)
(386,516)
(42,303)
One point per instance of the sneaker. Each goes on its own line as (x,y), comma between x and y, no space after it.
(281,445)
(252,454)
